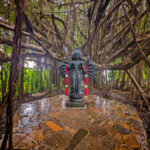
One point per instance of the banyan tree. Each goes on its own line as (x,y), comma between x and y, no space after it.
(36,35)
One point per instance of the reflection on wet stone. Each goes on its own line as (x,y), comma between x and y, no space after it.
(101,126)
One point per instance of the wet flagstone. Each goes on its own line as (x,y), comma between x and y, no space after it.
(37,135)
(53,126)
(47,124)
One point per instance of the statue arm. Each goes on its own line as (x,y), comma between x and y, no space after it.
(62,68)
(69,65)
(83,67)
(92,69)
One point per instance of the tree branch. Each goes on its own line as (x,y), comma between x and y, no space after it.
(134,37)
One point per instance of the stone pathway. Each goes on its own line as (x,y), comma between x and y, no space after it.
(46,124)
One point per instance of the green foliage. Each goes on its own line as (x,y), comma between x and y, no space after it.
(6,67)
(113,74)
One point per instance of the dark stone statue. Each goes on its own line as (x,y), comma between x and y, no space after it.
(76,68)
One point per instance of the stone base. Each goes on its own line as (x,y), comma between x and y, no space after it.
(80,105)
(76,100)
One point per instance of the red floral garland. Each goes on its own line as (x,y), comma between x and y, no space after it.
(86,82)
(66,81)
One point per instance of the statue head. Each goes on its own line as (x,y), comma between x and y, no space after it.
(76,54)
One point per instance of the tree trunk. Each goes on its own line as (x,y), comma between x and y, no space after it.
(2,80)
(21,93)
(28,86)
(115,82)
(122,85)
(14,72)
(143,94)
(41,78)
(4,94)
(32,83)
(51,80)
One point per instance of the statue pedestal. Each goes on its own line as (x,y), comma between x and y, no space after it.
(80,105)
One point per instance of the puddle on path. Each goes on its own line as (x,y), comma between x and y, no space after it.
(32,114)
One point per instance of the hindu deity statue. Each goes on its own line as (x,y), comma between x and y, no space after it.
(76,71)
